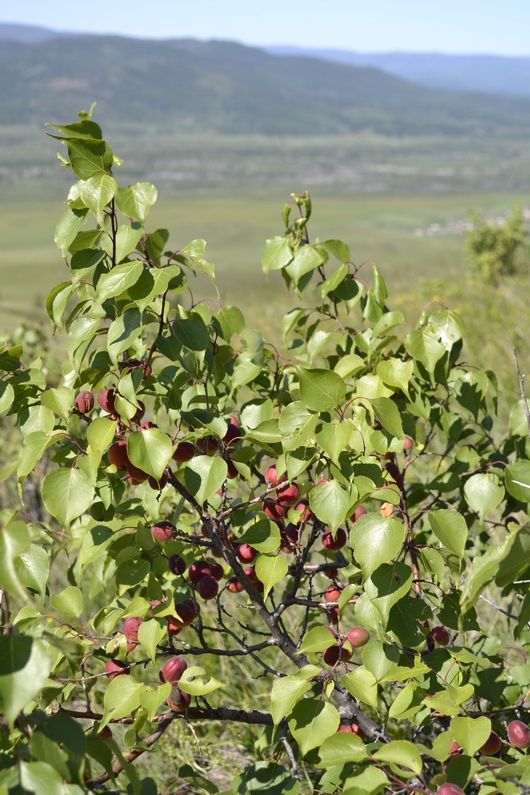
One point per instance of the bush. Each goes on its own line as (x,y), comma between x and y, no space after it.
(326,543)
(495,247)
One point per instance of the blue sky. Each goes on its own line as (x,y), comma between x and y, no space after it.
(452,26)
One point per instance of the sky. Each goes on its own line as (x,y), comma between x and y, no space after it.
(450,26)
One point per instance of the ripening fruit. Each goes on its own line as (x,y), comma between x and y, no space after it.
(288,494)
(173,669)
(246,553)
(408,443)
(292,533)
(163,530)
(131,626)
(395,474)
(358,512)
(449,789)
(233,585)
(185,614)
(440,635)
(336,653)
(117,454)
(106,400)
(492,744)
(208,587)
(178,700)
(116,668)
(105,733)
(135,475)
(352,728)
(334,544)
(332,593)
(158,485)
(184,452)
(174,626)
(197,570)
(140,412)
(176,564)
(271,477)
(216,570)
(233,432)
(358,636)
(519,734)
(250,571)
(231,470)
(387,509)
(84,402)
(208,445)
(273,510)
(303,505)
(454,748)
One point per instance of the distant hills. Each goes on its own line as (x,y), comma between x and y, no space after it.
(186,85)
(486,73)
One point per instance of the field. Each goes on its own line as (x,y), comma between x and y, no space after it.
(397,202)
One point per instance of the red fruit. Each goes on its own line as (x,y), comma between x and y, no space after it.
(358,636)
(117,454)
(288,495)
(105,733)
(185,614)
(135,475)
(292,533)
(155,603)
(146,425)
(84,402)
(321,482)
(408,443)
(246,553)
(250,571)
(198,570)
(116,668)
(163,530)
(273,510)
(173,669)
(332,593)
(208,587)
(307,514)
(176,564)
(449,789)
(174,626)
(233,585)
(454,748)
(519,734)
(184,452)
(232,434)
(333,544)
(158,485)
(192,606)
(492,744)
(360,511)
(140,412)
(336,653)
(131,626)
(271,477)
(440,635)
(178,700)
(208,445)
(352,728)
(106,400)
(394,472)
(232,470)
(216,570)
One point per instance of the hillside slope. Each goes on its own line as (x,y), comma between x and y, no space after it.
(189,86)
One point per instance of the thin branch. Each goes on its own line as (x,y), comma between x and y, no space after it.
(521,378)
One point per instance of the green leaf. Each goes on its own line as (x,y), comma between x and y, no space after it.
(7,396)
(321,390)
(401,753)
(330,502)
(448,325)
(450,529)
(376,540)
(97,192)
(67,493)
(151,699)
(122,697)
(296,425)
(271,569)
(118,280)
(230,321)
(306,259)
(137,200)
(333,281)
(33,568)
(25,665)
(288,690)
(191,334)
(517,480)
(100,433)
(425,347)
(317,639)
(60,400)
(150,450)
(41,779)
(517,559)
(311,722)
(483,570)
(361,684)
(407,703)
(150,633)
(89,157)
(196,682)
(340,749)
(264,536)
(339,249)
(395,372)
(334,438)
(388,415)
(483,493)
(276,254)
(67,228)
(471,733)
(387,585)
(123,332)
(14,539)
(69,601)
(127,238)
(204,475)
